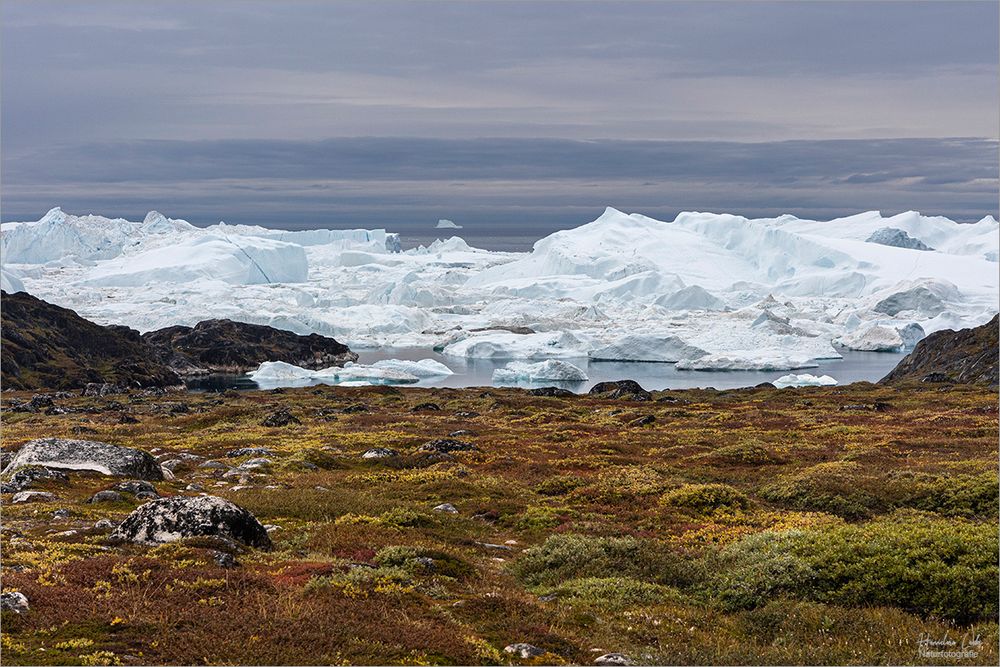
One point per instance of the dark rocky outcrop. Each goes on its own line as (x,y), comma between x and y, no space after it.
(629,390)
(224,346)
(968,356)
(46,346)
(100,457)
(171,519)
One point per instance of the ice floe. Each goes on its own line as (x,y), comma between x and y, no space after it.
(550,370)
(804,380)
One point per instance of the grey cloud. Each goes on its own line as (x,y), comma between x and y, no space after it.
(501,183)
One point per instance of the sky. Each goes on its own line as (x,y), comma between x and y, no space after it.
(506,117)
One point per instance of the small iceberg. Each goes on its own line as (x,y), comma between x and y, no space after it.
(804,380)
(387,371)
(447,224)
(550,370)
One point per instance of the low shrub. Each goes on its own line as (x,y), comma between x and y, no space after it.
(744,453)
(564,557)
(831,487)
(559,485)
(915,561)
(538,518)
(704,497)
(952,495)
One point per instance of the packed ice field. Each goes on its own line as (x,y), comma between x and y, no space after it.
(705,292)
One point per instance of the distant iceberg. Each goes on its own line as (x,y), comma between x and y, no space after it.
(447,224)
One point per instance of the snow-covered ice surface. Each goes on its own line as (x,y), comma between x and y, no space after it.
(707,291)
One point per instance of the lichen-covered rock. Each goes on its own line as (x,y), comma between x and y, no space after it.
(13,601)
(136,487)
(32,497)
(447,446)
(170,519)
(613,659)
(27,476)
(280,417)
(523,651)
(379,453)
(66,454)
(106,496)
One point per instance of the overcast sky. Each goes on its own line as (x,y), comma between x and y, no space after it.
(503,115)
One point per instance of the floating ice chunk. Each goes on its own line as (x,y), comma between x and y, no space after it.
(746,361)
(804,380)
(639,347)
(425,368)
(279,371)
(549,370)
(505,345)
(447,224)
(872,338)
(350,372)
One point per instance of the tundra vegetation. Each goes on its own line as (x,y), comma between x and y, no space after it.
(755,526)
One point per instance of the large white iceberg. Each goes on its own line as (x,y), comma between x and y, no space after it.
(234,260)
(634,347)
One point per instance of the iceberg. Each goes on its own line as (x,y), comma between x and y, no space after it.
(666,349)
(506,345)
(280,371)
(543,371)
(804,380)
(387,371)
(746,361)
(773,293)
(425,368)
(447,224)
(238,261)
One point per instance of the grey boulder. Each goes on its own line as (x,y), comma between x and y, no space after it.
(32,497)
(13,601)
(100,457)
(177,517)
(523,651)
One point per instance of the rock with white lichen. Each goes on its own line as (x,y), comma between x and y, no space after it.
(171,519)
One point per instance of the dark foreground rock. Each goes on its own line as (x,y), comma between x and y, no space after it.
(43,346)
(171,519)
(967,356)
(224,346)
(629,390)
(100,457)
